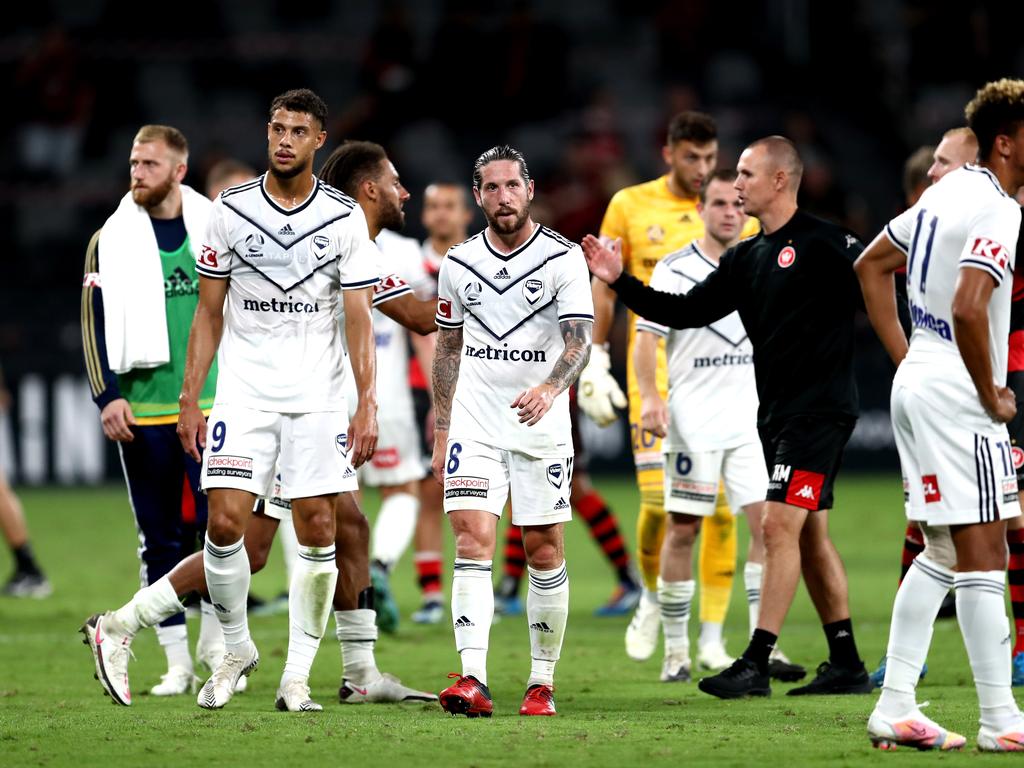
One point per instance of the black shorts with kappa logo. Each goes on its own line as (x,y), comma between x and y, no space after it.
(1015,381)
(803,454)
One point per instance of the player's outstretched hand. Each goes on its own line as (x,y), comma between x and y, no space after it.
(437,459)
(534,403)
(362,435)
(192,430)
(654,415)
(1005,406)
(604,257)
(117,419)
(598,394)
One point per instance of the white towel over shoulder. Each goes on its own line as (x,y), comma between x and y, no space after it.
(134,317)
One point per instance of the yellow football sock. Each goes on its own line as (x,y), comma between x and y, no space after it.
(650,532)
(717,561)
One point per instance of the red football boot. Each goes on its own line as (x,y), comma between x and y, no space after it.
(467,697)
(539,700)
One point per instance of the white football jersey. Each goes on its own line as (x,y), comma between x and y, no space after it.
(281,347)
(965,221)
(401,273)
(431,260)
(509,307)
(712,396)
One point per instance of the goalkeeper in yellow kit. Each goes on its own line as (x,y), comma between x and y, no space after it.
(650,221)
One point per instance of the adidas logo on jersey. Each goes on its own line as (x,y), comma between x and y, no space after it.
(286,230)
(541,626)
(463,622)
(561,504)
(502,274)
(806,493)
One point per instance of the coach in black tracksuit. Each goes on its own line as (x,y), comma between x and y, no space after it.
(795,290)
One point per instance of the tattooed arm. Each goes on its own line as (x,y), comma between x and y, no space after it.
(445,374)
(536,401)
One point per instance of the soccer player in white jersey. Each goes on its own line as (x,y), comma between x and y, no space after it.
(362,170)
(278,253)
(709,424)
(514,317)
(949,412)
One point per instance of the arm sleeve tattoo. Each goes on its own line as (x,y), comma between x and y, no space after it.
(447,356)
(577,335)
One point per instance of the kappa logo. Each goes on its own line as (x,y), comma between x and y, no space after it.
(851,241)
(533,290)
(542,626)
(286,230)
(560,504)
(320,246)
(804,490)
(786,257)
(471,293)
(930,485)
(502,274)
(254,245)
(555,475)
(806,493)
(341,443)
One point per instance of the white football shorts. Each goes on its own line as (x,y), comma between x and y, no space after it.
(957,467)
(246,449)
(399,456)
(692,479)
(478,476)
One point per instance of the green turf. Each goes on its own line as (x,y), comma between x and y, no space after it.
(612,711)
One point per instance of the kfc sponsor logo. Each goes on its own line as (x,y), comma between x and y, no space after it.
(208,257)
(930,486)
(989,249)
(1009,489)
(388,284)
(229,466)
(444,308)
(386,458)
(91,280)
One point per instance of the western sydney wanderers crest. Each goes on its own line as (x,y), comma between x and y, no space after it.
(555,475)
(533,290)
(319,246)
(787,256)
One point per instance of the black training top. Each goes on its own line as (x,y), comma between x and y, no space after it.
(796,293)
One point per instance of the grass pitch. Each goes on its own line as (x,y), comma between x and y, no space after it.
(612,711)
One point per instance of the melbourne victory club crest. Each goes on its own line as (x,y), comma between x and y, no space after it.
(319,246)
(533,290)
(787,256)
(341,443)
(555,475)
(254,245)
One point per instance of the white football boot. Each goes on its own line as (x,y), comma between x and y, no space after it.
(642,632)
(111,649)
(912,730)
(221,686)
(386,689)
(293,696)
(176,681)
(676,668)
(713,657)
(210,655)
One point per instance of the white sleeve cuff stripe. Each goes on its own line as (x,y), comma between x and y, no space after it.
(380,298)
(895,240)
(210,273)
(978,264)
(660,330)
(444,323)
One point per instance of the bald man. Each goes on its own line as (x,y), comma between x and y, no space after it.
(795,290)
(958,147)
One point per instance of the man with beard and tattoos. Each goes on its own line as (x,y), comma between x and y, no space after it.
(514,317)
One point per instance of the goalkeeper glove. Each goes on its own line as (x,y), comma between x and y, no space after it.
(598,393)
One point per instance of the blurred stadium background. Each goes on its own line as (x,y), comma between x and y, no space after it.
(583,87)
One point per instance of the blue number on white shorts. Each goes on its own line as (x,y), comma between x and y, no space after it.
(453,458)
(683,464)
(220,430)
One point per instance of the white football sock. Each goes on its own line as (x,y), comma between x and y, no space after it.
(981,612)
(227,579)
(547,608)
(910,633)
(674,598)
(210,633)
(649,596)
(357,633)
(149,606)
(394,527)
(472,614)
(310,596)
(174,641)
(752,575)
(289,546)
(710,633)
